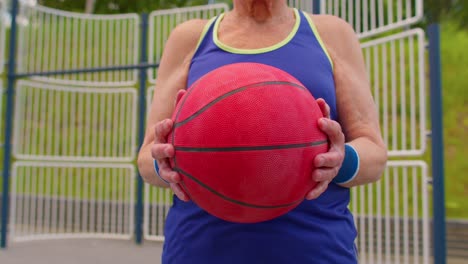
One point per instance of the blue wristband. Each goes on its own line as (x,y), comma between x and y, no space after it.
(350,167)
(156,169)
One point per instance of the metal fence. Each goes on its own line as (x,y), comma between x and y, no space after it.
(373,17)
(77,122)
(52,200)
(79,117)
(392,215)
(65,123)
(396,66)
(57,40)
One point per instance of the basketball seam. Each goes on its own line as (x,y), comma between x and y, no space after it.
(224,197)
(178,113)
(218,99)
(251,148)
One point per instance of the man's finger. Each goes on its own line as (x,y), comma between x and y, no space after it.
(333,130)
(329,159)
(162,151)
(326,174)
(169,175)
(166,172)
(179,192)
(324,107)
(161,130)
(317,191)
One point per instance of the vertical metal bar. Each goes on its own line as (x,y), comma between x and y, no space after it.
(141,126)
(316,6)
(433,31)
(8,126)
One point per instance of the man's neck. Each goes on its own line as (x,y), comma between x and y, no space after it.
(261,11)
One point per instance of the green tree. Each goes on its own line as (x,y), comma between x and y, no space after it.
(456,10)
(118,6)
(68,5)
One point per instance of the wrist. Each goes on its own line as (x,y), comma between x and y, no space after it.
(350,166)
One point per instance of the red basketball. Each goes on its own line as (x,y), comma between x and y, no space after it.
(245,136)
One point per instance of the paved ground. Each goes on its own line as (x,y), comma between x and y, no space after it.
(81,251)
(84,251)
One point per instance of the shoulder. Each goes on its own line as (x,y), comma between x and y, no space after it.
(189,30)
(186,35)
(333,23)
(336,33)
(180,46)
(183,40)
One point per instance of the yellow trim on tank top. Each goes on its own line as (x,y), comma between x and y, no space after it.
(255,51)
(317,35)
(205,30)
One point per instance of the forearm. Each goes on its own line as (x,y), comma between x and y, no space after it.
(372,161)
(146,168)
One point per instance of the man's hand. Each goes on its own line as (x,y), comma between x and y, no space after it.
(327,164)
(161,151)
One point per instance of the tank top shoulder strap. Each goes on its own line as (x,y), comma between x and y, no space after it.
(206,36)
(308,26)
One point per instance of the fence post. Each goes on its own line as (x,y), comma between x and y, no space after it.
(8,126)
(439,238)
(141,125)
(316,6)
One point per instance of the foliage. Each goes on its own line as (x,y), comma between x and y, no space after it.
(456,10)
(435,9)
(455,107)
(119,6)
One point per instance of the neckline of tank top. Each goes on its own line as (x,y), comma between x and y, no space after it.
(276,46)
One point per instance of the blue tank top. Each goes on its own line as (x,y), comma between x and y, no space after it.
(317,231)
